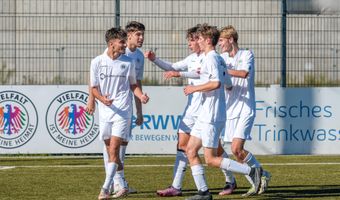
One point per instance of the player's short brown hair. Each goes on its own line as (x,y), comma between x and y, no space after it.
(115,33)
(211,32)
(134,26)
(192,32)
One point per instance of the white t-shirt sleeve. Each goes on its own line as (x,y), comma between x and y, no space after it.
(248,62)
(165,65)
(212,69)
(181,65)
(132,74)
(94,79)
(193,75)
(140,72)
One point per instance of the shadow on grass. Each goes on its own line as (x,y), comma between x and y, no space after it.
(275,192)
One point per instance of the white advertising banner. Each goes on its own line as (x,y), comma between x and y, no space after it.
(52,120)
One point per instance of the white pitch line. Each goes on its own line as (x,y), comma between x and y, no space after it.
(6,167)
(136,166)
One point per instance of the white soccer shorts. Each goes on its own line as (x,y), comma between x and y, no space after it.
(238,128)
(208,133)
(186,124)
(120,128)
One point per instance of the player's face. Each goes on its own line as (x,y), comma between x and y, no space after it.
(136,38)
(118,46)
(201,42)
(225,44)
(193,44)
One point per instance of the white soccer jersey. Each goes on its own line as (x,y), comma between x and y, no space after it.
(114,78)
(192,63)
(213,102)
(138,58)
(241,99)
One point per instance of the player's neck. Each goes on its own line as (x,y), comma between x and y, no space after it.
(131,47)
(208,49)
(234,50)
(113,55)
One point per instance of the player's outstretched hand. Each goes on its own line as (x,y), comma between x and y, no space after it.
(189,89)
(106,101)
(150,55)
(170,74)
(144,98)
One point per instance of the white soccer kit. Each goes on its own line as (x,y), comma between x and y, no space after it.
(240,101)
(138,57)
(114,77)
(211,119)
(189,68)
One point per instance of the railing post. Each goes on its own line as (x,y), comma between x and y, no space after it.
(283,44)
(117,14)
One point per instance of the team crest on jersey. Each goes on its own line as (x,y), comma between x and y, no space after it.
(138,60)
(122,66)
(67,121)
(18,119)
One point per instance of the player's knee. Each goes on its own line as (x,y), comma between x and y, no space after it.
(182,147)
(191,153)
(237,151)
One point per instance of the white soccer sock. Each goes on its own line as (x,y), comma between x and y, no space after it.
(229,177)
(105,158)
(179,169)
(251,160)
(119,179)
(121,175)
(199,178)
(111,170)
(234,166)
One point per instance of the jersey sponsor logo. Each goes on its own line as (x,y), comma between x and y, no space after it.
(18,119)
(67,121)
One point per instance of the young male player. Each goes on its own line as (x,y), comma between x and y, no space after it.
(112,78)
(135,38)
(188,68)
(240,101)
(212,117)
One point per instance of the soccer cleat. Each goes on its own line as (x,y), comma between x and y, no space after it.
(201,196)
(104,194)
(250,192)
(264,182)
(228,188)
(121,193)
(255,175)
(169,192)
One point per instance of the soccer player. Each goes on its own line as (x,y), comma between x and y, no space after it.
(240,101)
(135,38)
(112,78)
(188,68)
(211,120)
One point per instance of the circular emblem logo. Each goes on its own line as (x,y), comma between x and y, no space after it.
(67,121)
(18,119)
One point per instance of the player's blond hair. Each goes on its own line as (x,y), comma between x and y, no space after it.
(228,32)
